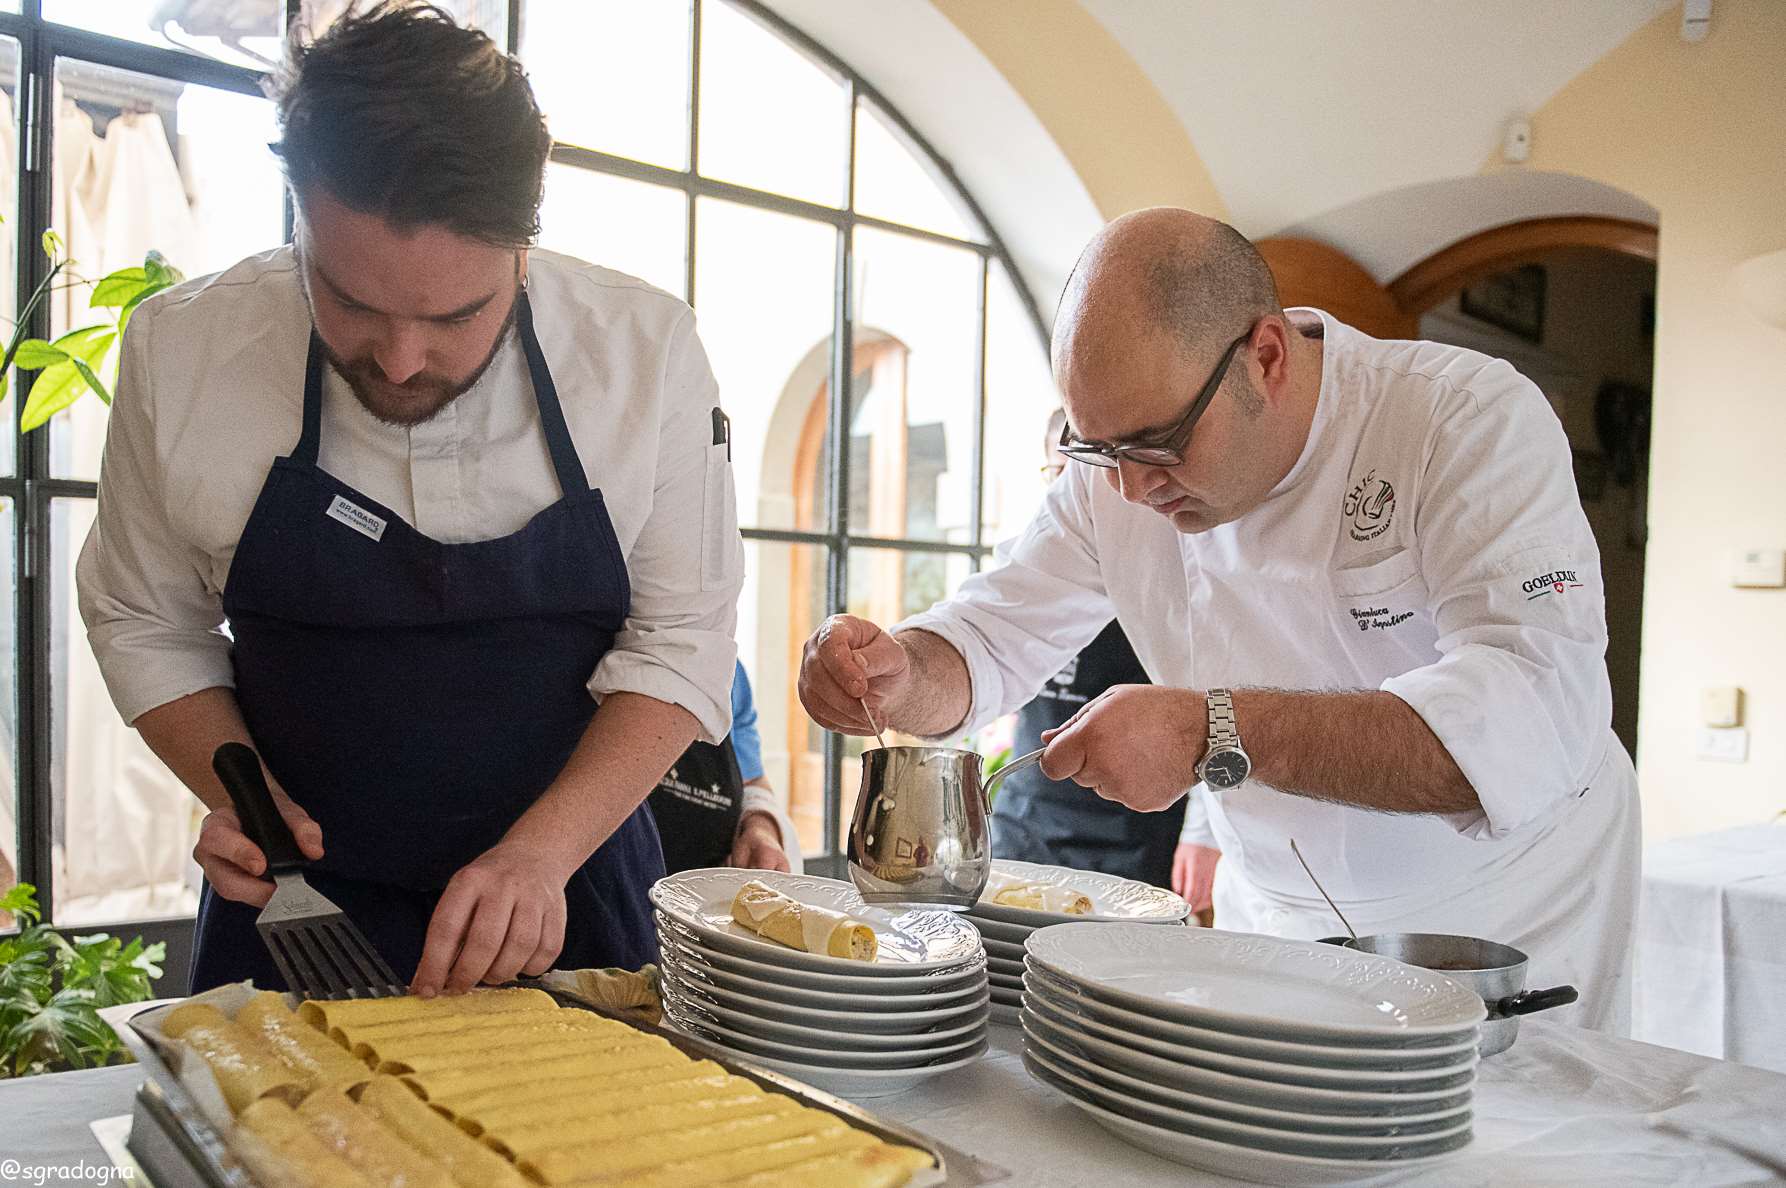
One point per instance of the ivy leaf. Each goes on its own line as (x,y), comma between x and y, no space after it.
(93,381)
(159,271)
(34,354)
(21,901)
(147,291)
(66,1030)
(115,288)
(89,343)
(52,243)
(114,971)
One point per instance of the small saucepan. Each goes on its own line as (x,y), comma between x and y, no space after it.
(1496,972)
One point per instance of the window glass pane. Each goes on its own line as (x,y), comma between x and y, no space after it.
(894,182)
(241,34)
(771,117)
(9,230)
(491,16)
(9,709)
(635,228)
(612,75)
(913,401)
(149,164)
(782,603)
(763,297)
(1020,395)
(885,586)
(123,826)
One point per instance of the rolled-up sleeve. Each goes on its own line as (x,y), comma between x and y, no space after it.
(687,564)
(1519,696)
(153,619)
(1042,601)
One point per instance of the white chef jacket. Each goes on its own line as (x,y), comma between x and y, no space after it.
(1428,542)
(211,391)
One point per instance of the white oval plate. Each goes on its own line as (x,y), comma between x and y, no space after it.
(1002,981)
(1102,1053)
(950,979)
(1007,1013)
(1069,1000)
(955,994)
(1112,897)
(1451,1077)
(1154,1093)
(768,1025)
(1395,1155)
(700,984)
(1009,950)
(1258,985)
(855,1083)
(910,941)
(999,930)
(1009,967)
(678,1012)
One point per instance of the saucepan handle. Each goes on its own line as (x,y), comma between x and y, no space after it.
(1014,765)
(239,769)
(1527,1002)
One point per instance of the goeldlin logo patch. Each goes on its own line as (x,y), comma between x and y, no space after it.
(1371,506)
(1554,582)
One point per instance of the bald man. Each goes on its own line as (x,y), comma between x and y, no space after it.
(1358,574)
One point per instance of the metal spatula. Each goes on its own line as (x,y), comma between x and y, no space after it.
(316,947)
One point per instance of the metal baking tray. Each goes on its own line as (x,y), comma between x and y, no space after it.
(179,1147)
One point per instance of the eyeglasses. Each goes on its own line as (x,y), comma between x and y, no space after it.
(1166,450)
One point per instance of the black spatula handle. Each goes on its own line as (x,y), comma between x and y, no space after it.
(239,769)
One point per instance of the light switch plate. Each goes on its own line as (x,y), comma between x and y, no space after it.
(1721,706)
(1758,569)
(1726,745)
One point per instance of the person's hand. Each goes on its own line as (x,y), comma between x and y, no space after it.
(1134,744)
(758,844)
(849,660)
(1193,874)
(234,865)
(501,915)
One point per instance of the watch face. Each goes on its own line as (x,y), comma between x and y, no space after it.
(1226,768)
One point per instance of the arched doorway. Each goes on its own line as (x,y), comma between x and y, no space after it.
(1590,350)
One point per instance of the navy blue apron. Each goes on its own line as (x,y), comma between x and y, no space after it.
(697,805)
(1035,819)
(417,697)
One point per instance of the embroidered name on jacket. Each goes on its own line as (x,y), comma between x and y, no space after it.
(1554,582)
(1370,505)
(357,518)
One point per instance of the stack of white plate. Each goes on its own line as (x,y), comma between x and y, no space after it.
(1279,1061)
(1004,929)
(854,1028)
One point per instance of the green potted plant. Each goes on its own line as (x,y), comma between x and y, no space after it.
(52,990)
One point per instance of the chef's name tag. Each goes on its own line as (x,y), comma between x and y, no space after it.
(357,518)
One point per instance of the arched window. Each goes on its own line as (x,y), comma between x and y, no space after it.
(718,153)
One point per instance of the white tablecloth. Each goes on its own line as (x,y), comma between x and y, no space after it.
(1711,946)
(1562,1107)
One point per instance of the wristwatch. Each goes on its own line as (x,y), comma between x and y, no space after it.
(1225,765)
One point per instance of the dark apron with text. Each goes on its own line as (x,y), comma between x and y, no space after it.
(697,805)
(416,697)
(1035,819)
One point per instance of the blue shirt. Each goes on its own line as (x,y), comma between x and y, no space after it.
(745,740)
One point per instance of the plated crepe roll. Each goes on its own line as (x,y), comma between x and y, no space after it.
(1012,891)
(245,1067)
(769,913)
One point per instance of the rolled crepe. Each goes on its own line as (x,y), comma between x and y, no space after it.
(621,1156)
(280,1149)
(300,1047)
(365,1038)
(447,1057)
(574,1100)
(769,913)
(375,1150)
(459,1080)
(758,1160)
(651,1117)
(1011,891)
(471,1164)
(328,1014)
(246,1068)
(883,1165)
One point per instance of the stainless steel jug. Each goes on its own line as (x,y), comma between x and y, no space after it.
(919,832)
